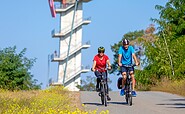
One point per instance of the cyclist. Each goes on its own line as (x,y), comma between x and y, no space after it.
(100,62)
(125,55)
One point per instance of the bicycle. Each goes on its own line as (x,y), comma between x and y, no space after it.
(128,85)
(103,88)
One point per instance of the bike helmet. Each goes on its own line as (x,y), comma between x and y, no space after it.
(101,49)
(125,42)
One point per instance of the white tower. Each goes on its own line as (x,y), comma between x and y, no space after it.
(70,37)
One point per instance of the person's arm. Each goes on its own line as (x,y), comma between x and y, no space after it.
(119,57)
(135,59)
(119,60)
(134,56)
(109,65)
(93,66)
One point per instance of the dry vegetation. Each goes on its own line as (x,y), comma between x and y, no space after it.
(174,87)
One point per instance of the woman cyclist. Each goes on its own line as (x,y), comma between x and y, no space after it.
(100,62)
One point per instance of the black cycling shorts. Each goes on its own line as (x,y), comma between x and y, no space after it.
(125,69)
(98,74)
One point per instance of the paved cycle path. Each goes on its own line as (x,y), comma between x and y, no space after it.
(145,103)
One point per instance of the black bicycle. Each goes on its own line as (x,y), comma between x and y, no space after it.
(103,88)
(128,85)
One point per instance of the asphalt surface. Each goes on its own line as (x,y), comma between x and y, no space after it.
(145,103)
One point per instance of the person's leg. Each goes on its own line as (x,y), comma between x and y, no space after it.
(98,75)
(133,80)
(131,70)
(124,79)
(123,73)
(98,84)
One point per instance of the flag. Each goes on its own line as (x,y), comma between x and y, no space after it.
(52,8)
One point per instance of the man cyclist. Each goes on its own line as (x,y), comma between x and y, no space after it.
(125,55)
(100,62)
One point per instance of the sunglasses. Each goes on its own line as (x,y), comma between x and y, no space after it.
(100,51)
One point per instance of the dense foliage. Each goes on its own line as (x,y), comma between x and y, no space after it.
(161,50)
(172,31)
(14,70)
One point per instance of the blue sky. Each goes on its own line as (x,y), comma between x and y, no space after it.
(28,24)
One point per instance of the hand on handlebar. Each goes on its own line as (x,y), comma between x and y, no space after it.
(109,68)
(92,69)
(137,63)
(119,64)
(101,69)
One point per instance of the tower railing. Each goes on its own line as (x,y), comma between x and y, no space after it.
(73,49)
(72,74)
(62,8)
(77,71)
(68,28)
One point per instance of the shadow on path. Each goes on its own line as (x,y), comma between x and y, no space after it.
(98,104)
(176,103)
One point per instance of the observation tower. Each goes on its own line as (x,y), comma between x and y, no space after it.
(69,34)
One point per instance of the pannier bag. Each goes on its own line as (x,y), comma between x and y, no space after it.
(119,83)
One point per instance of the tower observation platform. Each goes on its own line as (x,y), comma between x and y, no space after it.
(70,42)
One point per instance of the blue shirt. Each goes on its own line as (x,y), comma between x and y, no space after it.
(126,55)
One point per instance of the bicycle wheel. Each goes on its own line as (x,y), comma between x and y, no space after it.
(130,94)
(126,97)
(104,93)
(129,99)
(126,93)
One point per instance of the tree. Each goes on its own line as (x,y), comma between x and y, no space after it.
(14,70)
(88,84)
(172,18)
(172,33)
(165,53)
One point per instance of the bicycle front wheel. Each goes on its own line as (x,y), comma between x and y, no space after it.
(129,99)
(130,94)
(102,94)
(105,95)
